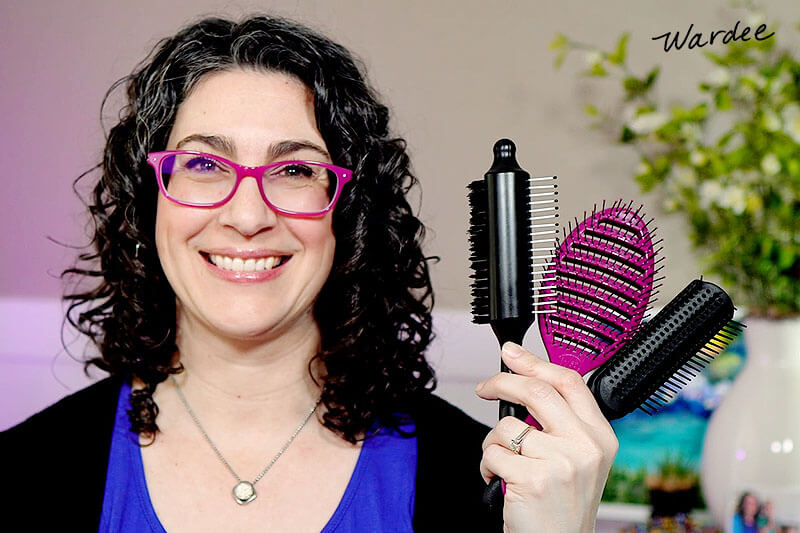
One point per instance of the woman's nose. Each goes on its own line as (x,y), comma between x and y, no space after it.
(246,211)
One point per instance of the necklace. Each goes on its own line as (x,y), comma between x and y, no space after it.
(244,491)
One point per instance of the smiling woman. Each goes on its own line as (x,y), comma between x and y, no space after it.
(265,337)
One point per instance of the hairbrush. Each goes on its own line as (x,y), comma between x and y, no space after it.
(513,232)
(666,352)
(605,269)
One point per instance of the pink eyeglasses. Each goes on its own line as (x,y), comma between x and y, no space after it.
(293,188)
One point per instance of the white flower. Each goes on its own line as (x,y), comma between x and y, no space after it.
(691,131)
(747,91)
(697,158)
(684,176)
(593,57)
(734,198)
(755,19)
(783,79)
(770,165)
(791,121)
(718,77)
(648,122)
(770,120)
(710,192)
(670,204)
(643,168)
(755,78)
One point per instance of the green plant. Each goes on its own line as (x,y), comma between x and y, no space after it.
(727,157)
(626,485)
(674,473)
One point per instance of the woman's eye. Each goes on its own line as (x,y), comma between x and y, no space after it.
(201,164)
(296,171)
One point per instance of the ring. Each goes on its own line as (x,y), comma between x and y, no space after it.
(516,443)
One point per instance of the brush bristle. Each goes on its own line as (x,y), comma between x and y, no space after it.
(543,229)
(479,250)
(667,352)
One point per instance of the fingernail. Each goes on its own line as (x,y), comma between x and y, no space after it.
(512,350)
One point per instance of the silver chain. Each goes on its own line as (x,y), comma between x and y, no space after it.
(219,454)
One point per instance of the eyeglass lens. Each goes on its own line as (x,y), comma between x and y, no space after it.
(204,179)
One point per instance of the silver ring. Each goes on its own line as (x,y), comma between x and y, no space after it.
(516,444)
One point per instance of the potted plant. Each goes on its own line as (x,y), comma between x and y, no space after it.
(726,156)
(673,487)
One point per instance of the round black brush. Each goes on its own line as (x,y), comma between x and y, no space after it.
(512,220)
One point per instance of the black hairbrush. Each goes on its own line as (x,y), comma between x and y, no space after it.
(513,234)
(666,352)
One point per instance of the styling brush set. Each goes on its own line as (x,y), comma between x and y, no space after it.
(589,285)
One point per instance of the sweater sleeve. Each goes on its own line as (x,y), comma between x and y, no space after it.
(54,463)
(449,483)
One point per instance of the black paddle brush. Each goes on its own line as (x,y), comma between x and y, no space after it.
(666,352)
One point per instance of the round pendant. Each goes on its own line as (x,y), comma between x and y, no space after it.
(244,492)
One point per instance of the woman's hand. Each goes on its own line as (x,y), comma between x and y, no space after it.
(556,480)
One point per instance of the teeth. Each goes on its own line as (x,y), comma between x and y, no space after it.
(237,264)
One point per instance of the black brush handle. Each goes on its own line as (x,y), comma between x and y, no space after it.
(661,347)
(510,268)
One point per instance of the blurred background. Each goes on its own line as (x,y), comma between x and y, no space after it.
(457,75)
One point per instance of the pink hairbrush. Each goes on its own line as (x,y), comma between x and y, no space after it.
(603,285)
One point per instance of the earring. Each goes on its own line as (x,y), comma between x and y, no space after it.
(136,251)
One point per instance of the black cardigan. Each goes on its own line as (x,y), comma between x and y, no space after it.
(54,465)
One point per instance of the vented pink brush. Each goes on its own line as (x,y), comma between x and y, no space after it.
(602,287)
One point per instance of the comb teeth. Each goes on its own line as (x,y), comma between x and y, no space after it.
(543,205)
(605,269)
(667,352)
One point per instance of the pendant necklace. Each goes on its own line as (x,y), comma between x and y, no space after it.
(244,491)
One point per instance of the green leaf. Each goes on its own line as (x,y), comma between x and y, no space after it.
(590,110)
(647,181)
(718,59)
(786,257)
(651,78)
(723,100)
(597,70)
(627,135)
(561,41)
(617,57)
(560,58)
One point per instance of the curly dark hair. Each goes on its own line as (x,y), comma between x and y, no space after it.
(374,311)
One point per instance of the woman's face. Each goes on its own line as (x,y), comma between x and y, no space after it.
(749,505)
(253,118)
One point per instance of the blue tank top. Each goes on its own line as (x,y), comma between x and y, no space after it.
(379,496)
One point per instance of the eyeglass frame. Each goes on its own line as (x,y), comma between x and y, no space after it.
(343,175)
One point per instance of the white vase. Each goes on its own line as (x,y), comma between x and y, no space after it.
(753,438)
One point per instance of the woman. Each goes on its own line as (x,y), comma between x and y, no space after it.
(744,521)
(266,337)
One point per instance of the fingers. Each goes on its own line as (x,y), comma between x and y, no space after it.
(560,381)
(531,441)
(543,401)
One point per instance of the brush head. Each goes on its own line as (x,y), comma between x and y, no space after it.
(605,268)
(666,352)
(512,235)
